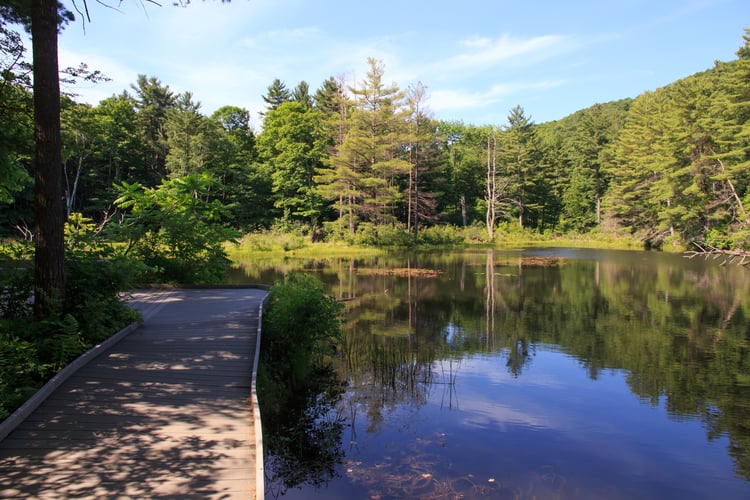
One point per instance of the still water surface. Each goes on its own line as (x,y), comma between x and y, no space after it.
(549,373)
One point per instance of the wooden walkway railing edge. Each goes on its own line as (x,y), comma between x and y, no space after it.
(14,419)
(260,486)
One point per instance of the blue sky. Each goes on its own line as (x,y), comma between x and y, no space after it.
(478,58)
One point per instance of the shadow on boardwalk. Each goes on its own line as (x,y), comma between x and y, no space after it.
(166,412)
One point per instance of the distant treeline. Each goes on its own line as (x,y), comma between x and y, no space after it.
(669,167)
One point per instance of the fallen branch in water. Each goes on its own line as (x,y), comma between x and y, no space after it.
(739,257)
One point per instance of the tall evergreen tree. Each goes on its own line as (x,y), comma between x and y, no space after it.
(423,156)
(329,96)
(246,181)
(293,143)
(643,164)
(595,130)
(276,94)
(374,143)
(301,94)
(336,178)
(520,155)
(731,153)
(152,102)
(191,139)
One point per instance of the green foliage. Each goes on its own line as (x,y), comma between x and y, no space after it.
(282,236)
(16,279)
(370,160)
(177,229)
(474,233)
(670,166)
(382,235)
(519,154)
(277,95)
(300,313)
(20,370)
(192,139)
(34,349)
(301,326)
(297,388)
(441,235)
(579,199)
(31,352)
(96,273)
(293,145)
(512,232)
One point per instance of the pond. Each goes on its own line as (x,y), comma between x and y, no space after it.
(546,373)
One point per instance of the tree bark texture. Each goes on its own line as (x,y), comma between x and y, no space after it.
(49,207)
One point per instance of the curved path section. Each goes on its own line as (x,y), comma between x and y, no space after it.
(165,412)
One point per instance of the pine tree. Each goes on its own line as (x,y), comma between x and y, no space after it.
(519,156)
(301,94)
(641,172)
(595,129)
(369,163)
(276,95)
(421,202)
(152,102)
(191,139)
(329,96)
(292,144)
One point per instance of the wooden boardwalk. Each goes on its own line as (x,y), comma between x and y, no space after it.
(166,412)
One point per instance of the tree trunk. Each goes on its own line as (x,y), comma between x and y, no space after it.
(70,193)
(464,218)
(49,208)
(491,196)
(416,195)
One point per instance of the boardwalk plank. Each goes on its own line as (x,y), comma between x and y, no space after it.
(166,412)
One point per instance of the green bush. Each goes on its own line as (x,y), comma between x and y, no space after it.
(177,229)
(20,370)
(475,233)
(297,386)
(96,272)
(382,235)
(32,349)
(441,235)
(301,326)
(16,279)
(301,316)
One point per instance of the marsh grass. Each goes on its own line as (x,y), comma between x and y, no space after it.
(294,243)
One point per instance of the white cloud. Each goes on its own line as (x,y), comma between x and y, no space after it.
(447,99)
(453,99)
(486,52)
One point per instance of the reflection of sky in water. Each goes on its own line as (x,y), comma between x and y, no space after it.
(578,423)
(552,432)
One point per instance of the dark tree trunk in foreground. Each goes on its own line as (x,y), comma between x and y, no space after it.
(49,213)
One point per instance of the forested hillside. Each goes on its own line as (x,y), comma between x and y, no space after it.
(669,167)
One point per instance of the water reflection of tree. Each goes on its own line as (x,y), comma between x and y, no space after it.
(390,351)
(679,331)
(386,370)
(302,434)
(681,334)
(297,385)
(505,336)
